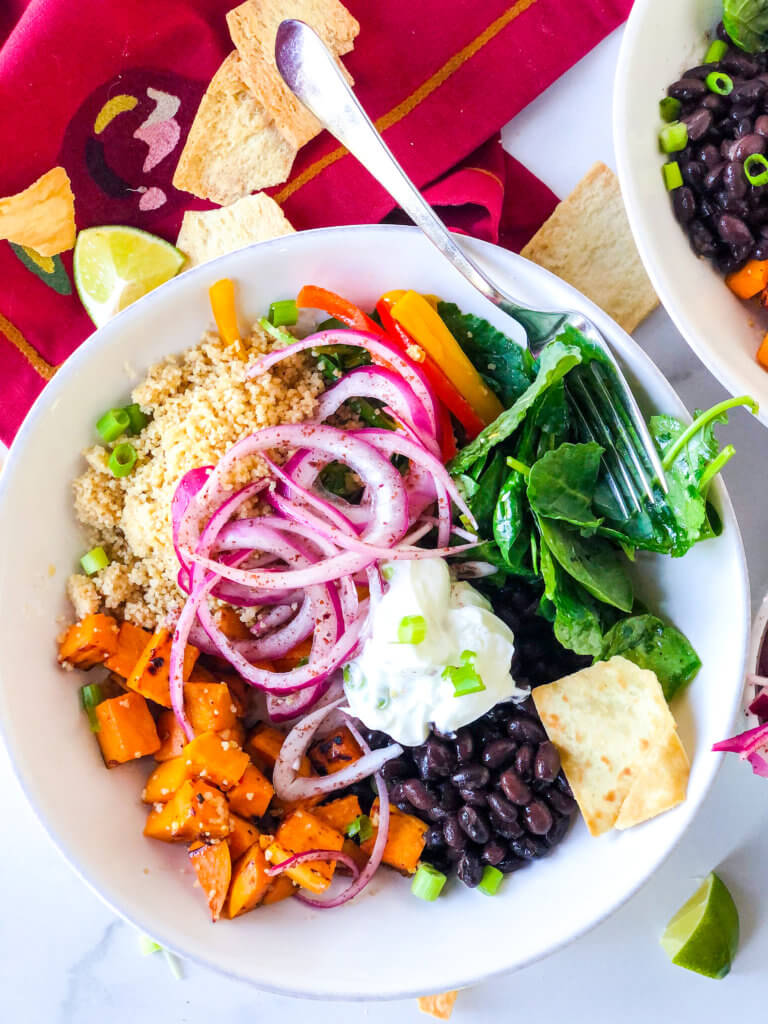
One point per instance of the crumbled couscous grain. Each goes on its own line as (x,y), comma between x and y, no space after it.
(201,403)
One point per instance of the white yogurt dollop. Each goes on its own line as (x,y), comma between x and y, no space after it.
(402,687)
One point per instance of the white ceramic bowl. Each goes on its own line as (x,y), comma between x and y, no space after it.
(661,40)
(386,943)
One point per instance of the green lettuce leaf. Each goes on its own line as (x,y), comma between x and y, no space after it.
(652,644)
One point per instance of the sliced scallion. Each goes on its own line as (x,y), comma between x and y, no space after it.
(428,883)
(670,108)
(491,880)
(138,420)
(112,424)
(280,338)
(412,629)
(94,560)
(756,169)
(717,50)
(122,459)
(360,829)
(673,177)
(284,313)
(720,83)
(673,137)
(90,696)
(465,677)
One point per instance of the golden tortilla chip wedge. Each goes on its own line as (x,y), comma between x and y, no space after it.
(206,234)
(42,217)
(440,1006)
(612,728)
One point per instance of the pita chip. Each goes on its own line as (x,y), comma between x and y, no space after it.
(206,234)
(617,742)
(42,217)
(440,1006)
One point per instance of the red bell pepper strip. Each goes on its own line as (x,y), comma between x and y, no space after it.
(313,297)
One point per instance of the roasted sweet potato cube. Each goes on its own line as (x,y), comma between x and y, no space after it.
(334,752)
(131,641)
(151,673)
(209,757)
(264,743)
(164,781)
(243,835)
(339,814)
(282,887)
(172,738)
(295,656)
(231,625)
(213,866)
(302,831)
(89,642)
(200,674)
(360,857)
(209,706)
(250,882)
(251,796)
(195,811)
(126,729)
(405,841)
(234,734)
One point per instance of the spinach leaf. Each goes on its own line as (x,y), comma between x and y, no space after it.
(335,360)
(483,502)
(512,528)
(592,561)
(576,620)
(551,419)
(556,360)
(652,644)
(562,483)
(746,22)
(506,367)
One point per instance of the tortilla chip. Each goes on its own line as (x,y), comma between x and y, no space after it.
(42,217)
(440,1006)
(253,27)
(234,146)
(612,727)
(206,234)
(588,243)
(661,785)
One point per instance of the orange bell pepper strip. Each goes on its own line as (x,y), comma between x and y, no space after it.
(313,297)
(751,279)
(762,353)
(222,296)
(441,385)
(426,328)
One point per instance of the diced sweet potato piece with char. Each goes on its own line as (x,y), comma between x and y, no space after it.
(213,866)
(243,835)
(209,706)
(360,857)
(334,752)
(339,814)
(302,831)
(405,841)
(250,882)
(231,625)
(195,811)
(282,887)
(251,796)
(234,734)
(172,738)
(131,641)
(264,743)
(164,781)
(126,729)
(295,656)
(200,674)
(89,642)
(209,757)
(151,673)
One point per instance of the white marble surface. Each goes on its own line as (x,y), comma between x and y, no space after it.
(65,958)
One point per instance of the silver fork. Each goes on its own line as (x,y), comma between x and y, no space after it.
(631,461)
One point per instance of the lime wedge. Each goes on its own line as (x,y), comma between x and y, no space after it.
(113,266)
(703,936)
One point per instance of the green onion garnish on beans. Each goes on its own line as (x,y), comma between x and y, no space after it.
(360,829)
(90,696)
(491,880)
(112,424)
(122,459)
(756,169)
(412,629)
(670,108)
(673,137)
(284,313)
(717,50)
(147,945)
(673,177)
(719,82)
(138,419)
(94,560)
(280,338)
(428,883)
(464,677)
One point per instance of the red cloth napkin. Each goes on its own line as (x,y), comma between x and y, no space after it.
(440,77)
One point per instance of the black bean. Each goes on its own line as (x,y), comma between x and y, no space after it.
(730,204)
(744,126)
(475,824)
(405,806)
(733,230)
(475,797)
(486,732)
(464,745)
(714,103)
(684,204)
(726,263)
(453,833)
(469,869)
(547,763)
(740,111)
(557,833)
(502,809)
(722,33)
(493,852)
(741,253)
(728,147)
(510,864)
(687,89)
(419,795)
(524,847)
(514,788)
(761,125)
(708,155)
(433,838)
(712,178)
(734,179)
(748,146)
(560,802)
(760,251)
(440,861)
(507,829)
(472,776)
(699,123)
(524,761)
(736,63)
(449,796)
(376,739)
(700,71)
(498,753)
(702,242)
(439,760)
(537,817)
(523,729)
(396,792)
(397,768)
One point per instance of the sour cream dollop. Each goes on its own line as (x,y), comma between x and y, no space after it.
(403,687)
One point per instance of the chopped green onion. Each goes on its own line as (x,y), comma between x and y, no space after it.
(673,177)
(491,880)
(670,108)
(412,629)
(751,165)
(112,424)
(284,313)
(720,83)
(518,466)
(174,964)
(138,419)
(94,560)
(428,883)
(147,945)
(331,324)
(122,459)
(464,677)
(360,829)
(673,137)
(280,338)
(381,703)
(717,50)
(388,572)
(345,674)
(90,696)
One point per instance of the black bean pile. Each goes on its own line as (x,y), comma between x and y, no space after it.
(725,217)
(493,792)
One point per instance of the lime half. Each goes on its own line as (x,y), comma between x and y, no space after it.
(113,266)
(703,936)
